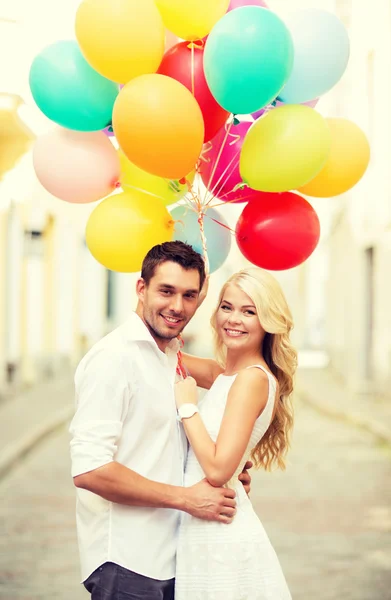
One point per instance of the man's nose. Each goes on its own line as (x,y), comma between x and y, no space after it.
(177,304)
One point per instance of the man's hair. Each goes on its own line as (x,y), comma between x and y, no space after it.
(177,252)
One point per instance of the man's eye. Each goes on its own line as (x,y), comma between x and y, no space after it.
(165,291)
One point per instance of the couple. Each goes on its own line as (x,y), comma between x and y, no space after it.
(156,518)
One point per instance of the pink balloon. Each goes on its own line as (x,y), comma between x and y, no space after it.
(222,179)
(77,167)
(259,113)
(239,3)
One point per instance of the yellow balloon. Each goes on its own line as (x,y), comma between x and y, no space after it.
(124,227)
(169,191)
(285,149)
(348,160)
(191,19)
(121,39)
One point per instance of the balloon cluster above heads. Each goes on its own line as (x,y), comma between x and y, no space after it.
(183,151)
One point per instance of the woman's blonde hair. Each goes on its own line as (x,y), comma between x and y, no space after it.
(276,319)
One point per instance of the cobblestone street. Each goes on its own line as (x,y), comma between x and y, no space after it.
(328,516)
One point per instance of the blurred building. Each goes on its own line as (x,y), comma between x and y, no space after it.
(56,300)
(356,247)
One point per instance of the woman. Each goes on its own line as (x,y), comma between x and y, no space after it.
(246,412)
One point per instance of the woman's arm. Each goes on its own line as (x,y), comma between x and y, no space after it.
(203,370)
(246,401)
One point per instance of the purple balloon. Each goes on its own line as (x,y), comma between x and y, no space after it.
(108,131)
(262,111)
(239,3)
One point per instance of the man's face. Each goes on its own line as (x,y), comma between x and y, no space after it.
(170,300)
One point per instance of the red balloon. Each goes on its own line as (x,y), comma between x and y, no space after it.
(278,232)
(177,63)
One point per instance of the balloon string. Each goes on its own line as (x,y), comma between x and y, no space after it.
(223,225)
(227,130)
(236,139)
(206,148)
(227,174)
(192,71)
(201,216)
(225,202)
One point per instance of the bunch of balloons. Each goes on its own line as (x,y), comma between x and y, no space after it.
(161,122)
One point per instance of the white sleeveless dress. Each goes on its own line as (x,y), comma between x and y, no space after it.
(216,561)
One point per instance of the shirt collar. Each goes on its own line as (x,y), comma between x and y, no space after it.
(137,331)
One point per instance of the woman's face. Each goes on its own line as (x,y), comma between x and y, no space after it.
(237,321)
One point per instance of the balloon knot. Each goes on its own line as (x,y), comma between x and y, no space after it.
(198,44)
(110,129)
(236,120)
(182,181)
(117,184)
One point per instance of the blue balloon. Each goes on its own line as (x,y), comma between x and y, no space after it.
(68,90)
(248,59)
(218,238)
(322,51)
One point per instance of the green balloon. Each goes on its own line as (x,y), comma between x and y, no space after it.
(248,59)
(68,90)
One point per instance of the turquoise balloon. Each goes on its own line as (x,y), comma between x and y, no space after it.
(218,238)
(68,90)
(322,51)
(248,59)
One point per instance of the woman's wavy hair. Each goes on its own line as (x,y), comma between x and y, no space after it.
(279,354)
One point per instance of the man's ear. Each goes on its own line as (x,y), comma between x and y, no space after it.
(140,289)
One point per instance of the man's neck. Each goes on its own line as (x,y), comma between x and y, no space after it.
(161,343)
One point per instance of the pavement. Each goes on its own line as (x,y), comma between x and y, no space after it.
(328,516)
(325,391)
(30,415)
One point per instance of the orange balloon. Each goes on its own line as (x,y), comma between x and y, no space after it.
(347,162)
(159,125)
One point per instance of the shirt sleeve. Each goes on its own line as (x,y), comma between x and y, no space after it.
(102,401)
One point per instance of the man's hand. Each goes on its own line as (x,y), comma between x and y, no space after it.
(209,503)
(245,476)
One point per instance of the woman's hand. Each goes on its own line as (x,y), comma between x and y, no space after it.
(186,392)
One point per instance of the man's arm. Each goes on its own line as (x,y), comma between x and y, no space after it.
(104,398)
(117,483)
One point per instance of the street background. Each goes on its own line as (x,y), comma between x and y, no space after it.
(329,514)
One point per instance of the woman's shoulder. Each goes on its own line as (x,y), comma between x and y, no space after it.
(253,377)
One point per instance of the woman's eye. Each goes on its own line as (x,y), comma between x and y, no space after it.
(250,312)
(224,307)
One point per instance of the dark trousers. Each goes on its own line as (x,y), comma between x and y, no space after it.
(112,582)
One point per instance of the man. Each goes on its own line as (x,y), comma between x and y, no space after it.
(129,449)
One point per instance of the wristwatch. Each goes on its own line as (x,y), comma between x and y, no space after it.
(186,411)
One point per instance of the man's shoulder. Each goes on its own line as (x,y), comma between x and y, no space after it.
(110,350)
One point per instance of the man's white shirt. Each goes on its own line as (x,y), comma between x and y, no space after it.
(125,412)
